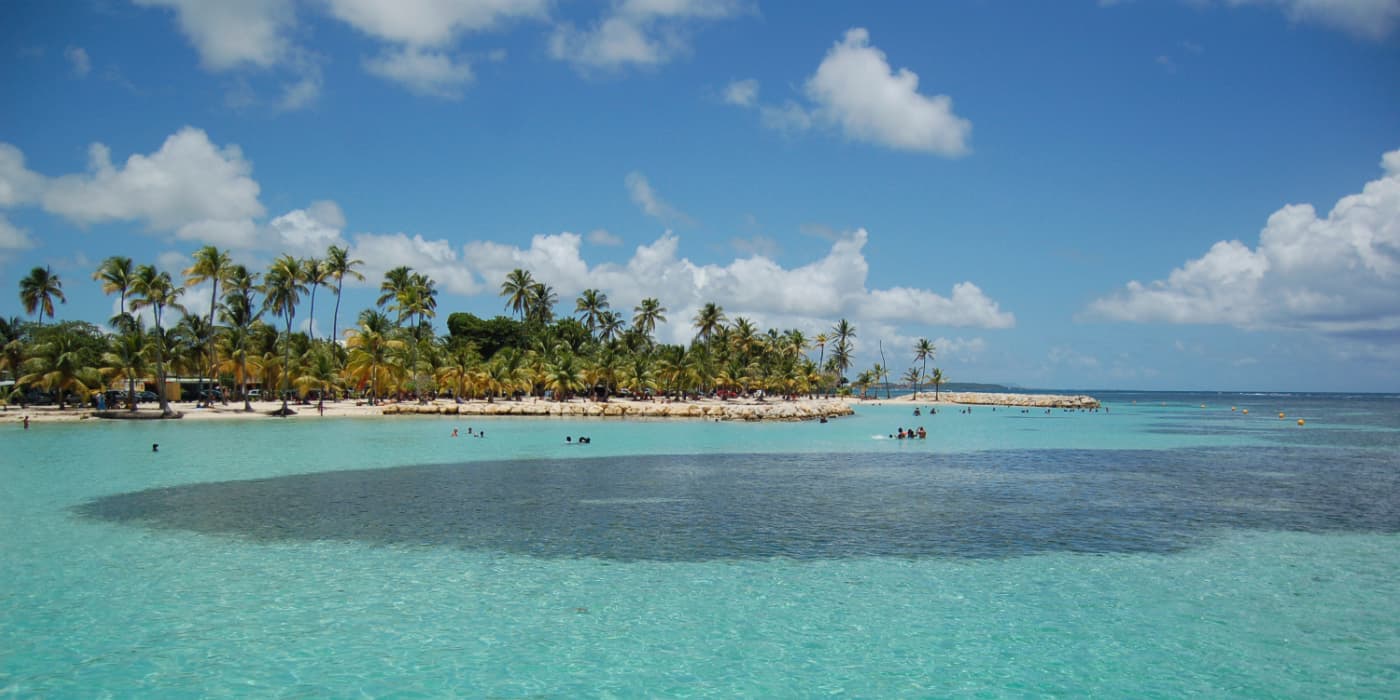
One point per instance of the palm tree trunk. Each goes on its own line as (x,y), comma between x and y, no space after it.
(286,365)
(335,317)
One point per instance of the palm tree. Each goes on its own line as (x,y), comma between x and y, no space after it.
(391,289)
(648,314)
(318,371)
(115,273)
(541,303)
(370,350)
(38,290)
(923,352)
(842,333)
(239,311)
(516,290)
(708,319)
(912,376)
(610,325)
(57,366)
(12,346)
(155,289)
(937,381)
(418,298)
(314,273)
(282,290)
(592,304)
(194,336)
(338,267)
(210,265)
(563,375)
(128,358)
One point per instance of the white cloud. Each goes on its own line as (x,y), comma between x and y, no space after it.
(1066,356)
(78,59)
(603,237)
(12,238)
(1367,19)
(1339,274)
(637,33)
(308,232)
(962,349)
(230,34)
(645,197)
(855,88)
(755,245)
(18,184)
(423,72)
(189,186)
(743,93)
(431,22)
(435,258)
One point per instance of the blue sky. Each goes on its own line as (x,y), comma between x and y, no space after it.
(1154,195)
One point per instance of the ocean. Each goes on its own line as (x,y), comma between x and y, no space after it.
(1170,545)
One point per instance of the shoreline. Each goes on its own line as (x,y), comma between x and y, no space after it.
(708,409)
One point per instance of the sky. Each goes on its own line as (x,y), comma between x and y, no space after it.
(1175,194)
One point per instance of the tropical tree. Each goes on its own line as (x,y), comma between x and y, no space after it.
(282,290)
(417,300)
(591,305)
(563,375)
(516,290)
(116,274)
(923,352)
(156,290)
(128,358)
(339,265)
(315,273)
(610,326)
(648,313)
(38,290)
(708,319)
(210,265)
(318,371)
(371,349)
(842,355)
(12,346)
(540,305)
(57,365)
(912,376)
(239,312)
(937,379)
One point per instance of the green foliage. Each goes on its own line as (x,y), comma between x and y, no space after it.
(488,336)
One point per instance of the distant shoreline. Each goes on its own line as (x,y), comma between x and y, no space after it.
(749,409)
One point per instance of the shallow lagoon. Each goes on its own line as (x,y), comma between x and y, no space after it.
(1159,548)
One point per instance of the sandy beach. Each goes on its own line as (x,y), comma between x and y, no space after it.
(748,409)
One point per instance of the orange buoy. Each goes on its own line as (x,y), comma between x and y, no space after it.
(1246,411)
(1280,414)
(1300,421)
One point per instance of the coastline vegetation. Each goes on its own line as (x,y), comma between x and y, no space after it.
(247,342)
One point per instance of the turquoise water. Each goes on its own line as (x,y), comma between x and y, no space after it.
(1158,549)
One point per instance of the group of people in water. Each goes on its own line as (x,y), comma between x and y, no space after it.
(911,434)
(479,433)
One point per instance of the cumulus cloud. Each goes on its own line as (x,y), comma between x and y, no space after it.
(431,22)
(646,198)
(309,231)
(188,186)
(434,258)
(422,72)
(230,34)
(78,60)
(1338,275)
(743,93)
(855,91)
(12,238)
(1367,19)
(642,33)
(602,236)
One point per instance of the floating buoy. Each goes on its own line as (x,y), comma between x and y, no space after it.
(1300,421)
(1246,411)
(1280,414)
(1232,409)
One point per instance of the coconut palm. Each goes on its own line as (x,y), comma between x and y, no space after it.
(56,365)
(339,265)
(239,312)
(282,290)
(115,273)
(648,313)
(210,265)
(315,273)
(708,319)
(516,290)
(396,281)
(418,301)
(591,304)
(193,338)
(937,379)
(923,352)
(842,334)
(128,357)
(38,290)
(610,326)
(154,289)
(12,346)
(563,375)
(318,371)
(370,351)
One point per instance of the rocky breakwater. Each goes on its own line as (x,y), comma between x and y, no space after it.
(709,410)
(1021,400)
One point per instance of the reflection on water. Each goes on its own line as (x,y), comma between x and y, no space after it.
(702,507)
